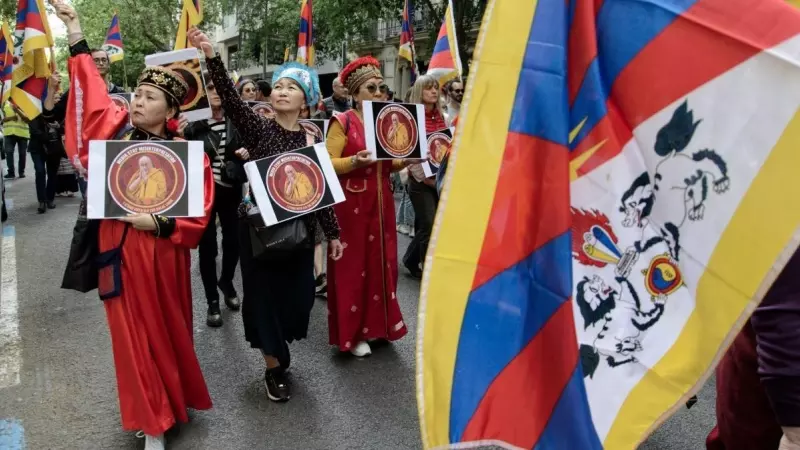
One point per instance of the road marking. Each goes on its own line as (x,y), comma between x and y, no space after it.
(12,435)
(10,349)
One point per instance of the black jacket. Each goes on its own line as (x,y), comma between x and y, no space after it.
(201,131)
(59,111)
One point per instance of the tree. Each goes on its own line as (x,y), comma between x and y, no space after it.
(465,13)
(147,28)
(275,23)
(8,9)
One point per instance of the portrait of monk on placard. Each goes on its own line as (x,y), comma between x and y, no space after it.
(398,136)
(298,188)
(148,185)
(440,149)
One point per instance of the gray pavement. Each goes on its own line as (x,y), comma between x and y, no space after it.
(66,395)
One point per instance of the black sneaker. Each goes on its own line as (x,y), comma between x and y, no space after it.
(322,284)
(51,205)
(214,316)
(42,208)
(231,297)
(277,385)
(22,175)
(9,176)
(415,272)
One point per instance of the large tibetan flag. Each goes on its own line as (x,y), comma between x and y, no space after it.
(407,50)
(445,61)
(32,38)
(305,38)
(629,186)
(191,16)
(6,62)
(113,43)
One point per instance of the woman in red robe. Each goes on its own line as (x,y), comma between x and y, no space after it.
(362,285)
(150,322)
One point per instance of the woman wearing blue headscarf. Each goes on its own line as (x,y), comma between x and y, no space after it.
(278,293)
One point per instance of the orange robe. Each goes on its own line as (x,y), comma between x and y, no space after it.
(158,374)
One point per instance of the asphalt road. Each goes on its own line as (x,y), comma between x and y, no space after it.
(57,343)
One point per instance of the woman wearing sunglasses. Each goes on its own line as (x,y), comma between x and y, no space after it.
(362,300)
(248,91)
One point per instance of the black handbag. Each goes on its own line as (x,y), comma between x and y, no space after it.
(272,242)
(81,271)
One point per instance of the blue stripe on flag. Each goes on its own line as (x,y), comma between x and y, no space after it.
(114,37)
(442,45)
(570,425)
(500,319)
(543,78)
(644,21)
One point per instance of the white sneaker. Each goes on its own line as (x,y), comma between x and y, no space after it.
(154,442)
(411,232)
(361,350)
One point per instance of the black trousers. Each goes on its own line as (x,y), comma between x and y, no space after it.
(226,202)
(424,199)
(46,169)
(21,144)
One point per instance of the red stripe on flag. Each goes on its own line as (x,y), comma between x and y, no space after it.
(533,177)
(614,130)
(518,404)
(694,50)
(582,43)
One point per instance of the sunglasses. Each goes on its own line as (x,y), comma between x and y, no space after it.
(248,90)
(371,88)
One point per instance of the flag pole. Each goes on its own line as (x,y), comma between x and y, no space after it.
(124,66)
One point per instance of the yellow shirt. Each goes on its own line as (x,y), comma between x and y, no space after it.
(335,143)
(301,191)
(151,190)
(15,126)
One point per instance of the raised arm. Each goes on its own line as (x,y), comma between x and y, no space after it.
(251,125)
(92,115)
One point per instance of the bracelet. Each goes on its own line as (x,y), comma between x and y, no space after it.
(353,161)
(157,231)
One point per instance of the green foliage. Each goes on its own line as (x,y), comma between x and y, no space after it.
(8,9)
(147,28)
(276,23)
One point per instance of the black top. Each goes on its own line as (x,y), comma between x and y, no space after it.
(263,138)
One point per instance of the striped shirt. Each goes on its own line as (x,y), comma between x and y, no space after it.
(218,164)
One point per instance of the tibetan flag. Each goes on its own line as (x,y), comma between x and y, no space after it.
(6,62)
(618,239)
(191,16)
(407,50)
(32,38)
(113,44)
(305,38)
(445,62)
(235,77)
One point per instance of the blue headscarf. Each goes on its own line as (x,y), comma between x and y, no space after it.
(306,77)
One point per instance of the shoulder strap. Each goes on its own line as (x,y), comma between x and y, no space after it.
(124,235)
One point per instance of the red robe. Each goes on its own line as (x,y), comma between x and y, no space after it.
(158,375)
(362,289)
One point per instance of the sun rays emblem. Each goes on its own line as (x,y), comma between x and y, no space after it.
(662,277)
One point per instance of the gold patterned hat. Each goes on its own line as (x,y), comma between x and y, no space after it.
(358,72)
(166,80)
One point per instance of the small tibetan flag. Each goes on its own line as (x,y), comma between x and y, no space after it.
(445,62)
(113,44)
(305,39)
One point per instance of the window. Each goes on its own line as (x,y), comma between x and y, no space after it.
(233,57)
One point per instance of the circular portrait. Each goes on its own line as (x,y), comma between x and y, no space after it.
(295,183)
(396,131)
(192,73)
(265,109)
(121,101)
(312,129)
(438,144)
(147,178)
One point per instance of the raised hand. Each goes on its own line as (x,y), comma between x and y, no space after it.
(201,41)
(67,15)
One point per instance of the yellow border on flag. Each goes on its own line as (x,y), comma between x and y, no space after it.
(471,180)
(728,280)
